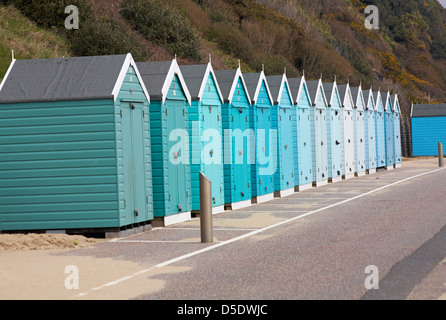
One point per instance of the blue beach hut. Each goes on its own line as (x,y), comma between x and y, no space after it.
(237,137)
(264,164)
(205,133)
(359,130)
(335,132)
(75,149)
(428,128)
(389,132)
(169,129)
(379,129)
(284,121)
(369,128)
(319,132)
(349,137)
(304,160)
(397,130)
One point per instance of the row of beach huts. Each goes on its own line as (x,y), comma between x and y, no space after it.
(107,143)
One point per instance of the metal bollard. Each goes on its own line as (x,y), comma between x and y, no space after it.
(440,154)
(205,209)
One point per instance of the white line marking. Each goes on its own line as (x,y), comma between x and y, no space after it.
(249,234)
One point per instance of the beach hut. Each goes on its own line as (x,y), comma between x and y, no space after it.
(388,129)
(359,130)
(169,129)
(264,152)
(428,128)
(397,130)
(349,137)
(379,129)
(335,132)
(237,137)
(304,160)
(319,131)
(205,133)
(284,121)
(75,149)
(369,128)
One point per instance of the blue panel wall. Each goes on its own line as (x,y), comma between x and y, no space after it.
(426,132)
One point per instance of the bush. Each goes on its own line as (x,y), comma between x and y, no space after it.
(160,21)
(104,37)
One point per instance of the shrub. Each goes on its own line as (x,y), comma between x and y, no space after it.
(161,22)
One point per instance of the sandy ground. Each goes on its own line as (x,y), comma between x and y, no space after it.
(33,241)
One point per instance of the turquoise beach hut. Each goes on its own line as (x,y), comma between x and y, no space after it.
(319,131)
(264,165)
(369,128)
(397,130)
(169,129)
(75,146)
(304,160)
(389,132)
(205,133)
(349,136)
(335,132)
(359,130)
(237,136)
(284,121)
(380,131)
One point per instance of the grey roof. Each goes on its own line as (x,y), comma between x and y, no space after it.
(375,96)
(294,84)
(225,80)
(366,94)
(154,75)
(274,84)
(429,110)
(251,82)
(354,91)
(342,89)
(193,76)
(328,88)
(312,89)
(56,79)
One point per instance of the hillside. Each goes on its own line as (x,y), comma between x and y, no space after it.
(407,54)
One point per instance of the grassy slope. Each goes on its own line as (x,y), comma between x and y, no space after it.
(26,39)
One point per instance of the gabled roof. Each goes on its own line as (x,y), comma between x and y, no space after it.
(368,98)
(296,86)
(254,82)
(59,79)
(159,75)
(314,88)
(276,84)
(196,77)
(331,88)
(388,104)
(346,95)
(377,97)
(428,110)
(227,80)
(395,104)
(357,97)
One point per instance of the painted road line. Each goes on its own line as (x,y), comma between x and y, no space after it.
(249,234)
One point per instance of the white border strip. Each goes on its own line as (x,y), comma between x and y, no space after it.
(249,234)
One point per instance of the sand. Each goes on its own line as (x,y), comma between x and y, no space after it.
(33,241)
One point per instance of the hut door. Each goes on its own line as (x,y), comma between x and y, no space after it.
(133,162)
(212,167)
